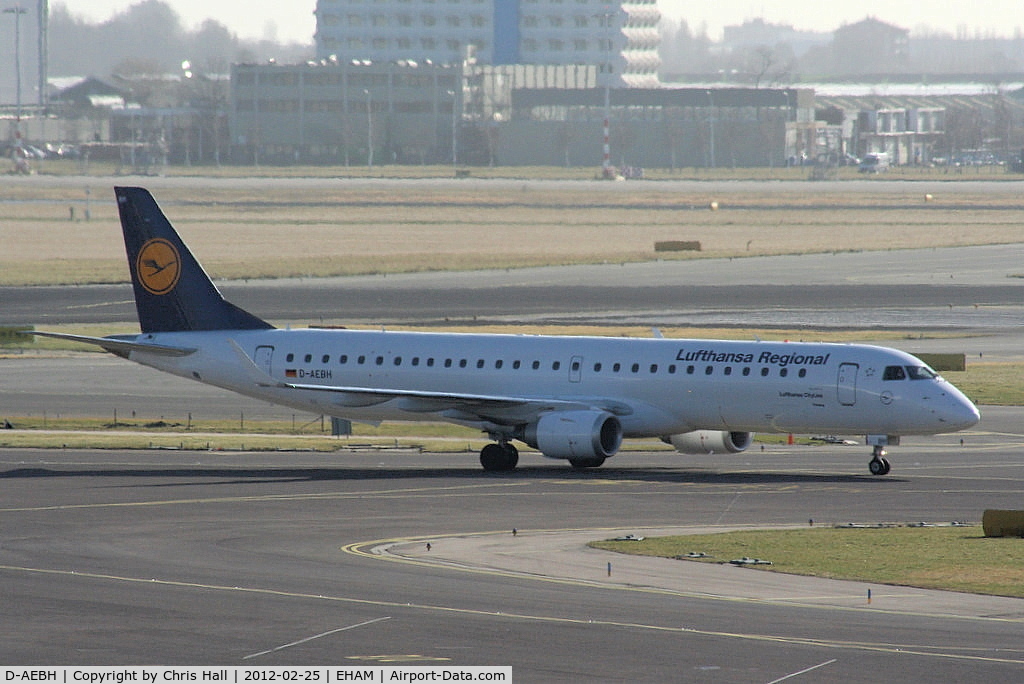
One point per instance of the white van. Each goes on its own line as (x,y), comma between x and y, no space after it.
(874,163)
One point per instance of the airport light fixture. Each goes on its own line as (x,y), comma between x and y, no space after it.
(711,126)
(369,129)
(606,163)
(17,11)
(455,158)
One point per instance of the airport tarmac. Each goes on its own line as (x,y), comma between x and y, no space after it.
(970,287)
(171,557)
(112,557)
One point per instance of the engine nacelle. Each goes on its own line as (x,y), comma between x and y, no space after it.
(575,434)
(710,441)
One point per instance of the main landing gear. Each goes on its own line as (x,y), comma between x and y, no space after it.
(879,465)
(499,457)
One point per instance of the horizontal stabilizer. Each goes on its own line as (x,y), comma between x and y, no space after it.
(119,345)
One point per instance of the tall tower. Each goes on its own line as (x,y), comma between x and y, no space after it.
(43,49)
(31,53)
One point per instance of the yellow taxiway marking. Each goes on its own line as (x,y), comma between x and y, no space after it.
(920,650)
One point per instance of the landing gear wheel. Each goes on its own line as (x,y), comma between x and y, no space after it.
(499,457)
(879,466)
(511,456)
(579,463)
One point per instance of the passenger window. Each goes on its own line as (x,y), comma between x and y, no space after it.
(635,368)
(556,365)
(499,363)
(362,360)
(380,360)
(764,372)
(728,370)
(616,367)
(290,358)
(783,372)
(479,363)
(430,362)
(462,363)
(690,370)
(308,358)
(575,365)
(597,367)
(516,364)
(672,369)
(325,358)
(398,360)
(894,373)
(536,365)
(447,363)
(708,370)
(746,371)
(803,372)
(654,368)
(415,360)
(343,359)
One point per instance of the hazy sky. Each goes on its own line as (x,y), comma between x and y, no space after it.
(292,20)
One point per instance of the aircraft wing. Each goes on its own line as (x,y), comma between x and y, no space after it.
(122,346)
(493,407)
(462,405)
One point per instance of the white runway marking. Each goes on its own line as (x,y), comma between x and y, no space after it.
(804,671)
(315,636)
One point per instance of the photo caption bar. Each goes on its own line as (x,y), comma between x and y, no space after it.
(156,674)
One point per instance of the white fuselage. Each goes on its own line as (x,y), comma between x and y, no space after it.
(656,387)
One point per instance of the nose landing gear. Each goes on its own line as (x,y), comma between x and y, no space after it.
(879,465)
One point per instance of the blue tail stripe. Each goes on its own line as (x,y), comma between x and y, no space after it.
(172,291)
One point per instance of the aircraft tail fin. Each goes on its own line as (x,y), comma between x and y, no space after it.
(172,291)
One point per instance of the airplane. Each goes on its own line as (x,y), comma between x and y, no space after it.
(574,398)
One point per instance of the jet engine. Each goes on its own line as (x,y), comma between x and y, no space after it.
(584,436)
(710,441)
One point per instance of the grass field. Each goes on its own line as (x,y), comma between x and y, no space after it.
(243,233)
(950,558)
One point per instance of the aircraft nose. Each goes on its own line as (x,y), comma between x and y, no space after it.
(958,412)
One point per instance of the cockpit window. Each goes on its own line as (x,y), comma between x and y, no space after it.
(921,373)
(894,373)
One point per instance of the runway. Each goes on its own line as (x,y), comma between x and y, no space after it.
(971,287)
(226,558)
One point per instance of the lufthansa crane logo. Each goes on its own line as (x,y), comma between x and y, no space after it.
(158,266)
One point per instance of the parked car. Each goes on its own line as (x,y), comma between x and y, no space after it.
(874,163)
